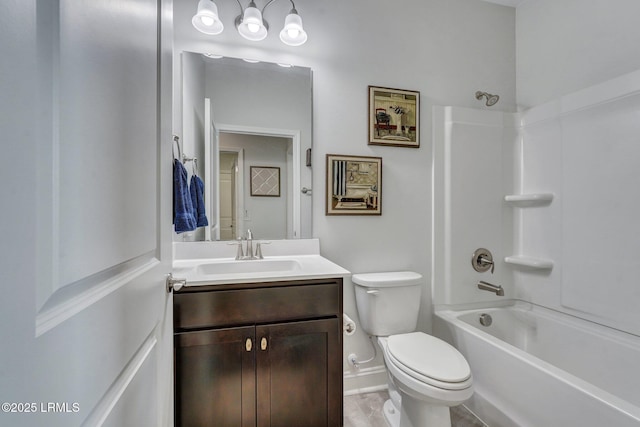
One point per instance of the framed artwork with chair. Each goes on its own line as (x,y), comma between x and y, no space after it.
(394,117)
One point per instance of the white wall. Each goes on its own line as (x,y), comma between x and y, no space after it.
(564,46)
(446,49)
(190,128)
(193,85)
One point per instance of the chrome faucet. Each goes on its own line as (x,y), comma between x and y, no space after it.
(486,286)
(249,252)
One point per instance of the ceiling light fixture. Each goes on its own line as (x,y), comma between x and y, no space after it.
(206,19)
(250,23)
(293,34)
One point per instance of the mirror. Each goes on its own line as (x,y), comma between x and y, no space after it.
(249,127)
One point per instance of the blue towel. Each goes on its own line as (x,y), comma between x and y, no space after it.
(183,213)
(196,188)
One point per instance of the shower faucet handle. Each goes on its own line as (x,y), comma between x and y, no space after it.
(485,262)
(482,260)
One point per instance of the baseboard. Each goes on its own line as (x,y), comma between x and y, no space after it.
(365,380)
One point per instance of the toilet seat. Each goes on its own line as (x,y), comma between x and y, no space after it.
(429,360)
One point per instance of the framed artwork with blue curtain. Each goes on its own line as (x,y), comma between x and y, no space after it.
(354,185)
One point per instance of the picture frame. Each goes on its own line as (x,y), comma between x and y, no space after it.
(394,116)
(265,181)
(353,185)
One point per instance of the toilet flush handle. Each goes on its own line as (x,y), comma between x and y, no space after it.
(373,292)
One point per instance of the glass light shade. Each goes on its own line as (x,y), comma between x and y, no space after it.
(252,27)
(206,19)
(293,34)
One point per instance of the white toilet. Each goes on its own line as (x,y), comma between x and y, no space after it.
(426,374)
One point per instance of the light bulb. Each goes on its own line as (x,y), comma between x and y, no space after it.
(293,33)
(207,20)
(253,27)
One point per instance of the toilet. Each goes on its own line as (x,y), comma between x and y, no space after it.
(426,375)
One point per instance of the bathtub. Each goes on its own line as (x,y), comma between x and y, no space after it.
(535,367)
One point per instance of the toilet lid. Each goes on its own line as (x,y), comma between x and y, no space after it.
(429,356)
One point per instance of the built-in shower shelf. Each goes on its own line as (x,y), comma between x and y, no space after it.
(531,262)
(533,199)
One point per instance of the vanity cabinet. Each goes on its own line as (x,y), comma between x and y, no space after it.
(259,354)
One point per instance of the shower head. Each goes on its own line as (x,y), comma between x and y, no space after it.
(491,99)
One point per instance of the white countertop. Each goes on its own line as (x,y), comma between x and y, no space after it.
(200,263)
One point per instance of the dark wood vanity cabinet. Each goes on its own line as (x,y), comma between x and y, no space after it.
(261,354)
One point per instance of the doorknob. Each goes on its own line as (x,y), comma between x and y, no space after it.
(263,344)
(173,284)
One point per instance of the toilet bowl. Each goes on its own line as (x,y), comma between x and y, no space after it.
(427,387)
(426,374)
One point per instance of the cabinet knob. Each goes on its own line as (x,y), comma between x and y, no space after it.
(248,344)
(263,343)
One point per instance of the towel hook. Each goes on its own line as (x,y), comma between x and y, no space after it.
(176,139)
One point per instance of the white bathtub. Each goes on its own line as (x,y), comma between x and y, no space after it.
(535,367)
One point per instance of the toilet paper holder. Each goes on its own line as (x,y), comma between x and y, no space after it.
(348,325)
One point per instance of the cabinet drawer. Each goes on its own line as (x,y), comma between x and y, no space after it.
(260,304)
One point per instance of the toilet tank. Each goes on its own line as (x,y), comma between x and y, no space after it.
(388,303)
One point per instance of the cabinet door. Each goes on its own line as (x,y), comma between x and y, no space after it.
(215,378)
(299,374)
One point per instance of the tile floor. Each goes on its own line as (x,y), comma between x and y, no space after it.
(365,410)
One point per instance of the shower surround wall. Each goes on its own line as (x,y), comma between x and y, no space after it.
(473,158)
(582,148)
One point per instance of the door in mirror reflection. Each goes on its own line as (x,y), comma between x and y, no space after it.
(230,192)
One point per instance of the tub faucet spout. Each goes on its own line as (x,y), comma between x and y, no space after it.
(486,286)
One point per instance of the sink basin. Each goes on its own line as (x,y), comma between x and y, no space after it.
(253,266)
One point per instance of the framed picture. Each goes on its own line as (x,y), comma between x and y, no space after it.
(354,185)
(265,181)
(393,117)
